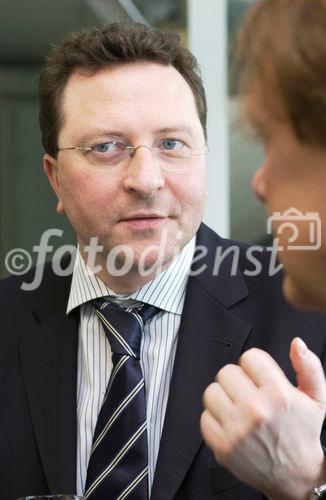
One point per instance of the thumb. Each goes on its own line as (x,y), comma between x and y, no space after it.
(309,371)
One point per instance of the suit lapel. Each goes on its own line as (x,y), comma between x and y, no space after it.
(49,366)
(210,336)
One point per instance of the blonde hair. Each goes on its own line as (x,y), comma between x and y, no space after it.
(286,40)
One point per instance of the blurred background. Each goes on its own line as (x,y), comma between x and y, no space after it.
(207,27)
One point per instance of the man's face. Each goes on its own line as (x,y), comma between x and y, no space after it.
(293,175)
(143,200)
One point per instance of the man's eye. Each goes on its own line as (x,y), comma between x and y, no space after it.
(171,144)
(108,147)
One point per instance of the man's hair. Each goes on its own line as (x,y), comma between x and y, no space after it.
(282,46)
(109,46)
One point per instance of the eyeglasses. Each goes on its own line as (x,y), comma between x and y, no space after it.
(114,152)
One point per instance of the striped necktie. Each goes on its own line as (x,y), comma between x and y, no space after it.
(118,465)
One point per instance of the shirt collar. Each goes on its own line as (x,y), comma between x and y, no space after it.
(166,291)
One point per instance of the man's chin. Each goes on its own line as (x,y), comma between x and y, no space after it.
(147,263)
(152,263)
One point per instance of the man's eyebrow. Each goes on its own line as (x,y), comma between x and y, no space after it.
(178,128)
(103,132)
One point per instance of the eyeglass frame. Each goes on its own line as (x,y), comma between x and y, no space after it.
(133,149)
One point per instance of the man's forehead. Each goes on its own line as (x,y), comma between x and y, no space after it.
(151,94)
(128,80)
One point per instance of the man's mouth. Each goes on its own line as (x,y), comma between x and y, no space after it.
(144,220)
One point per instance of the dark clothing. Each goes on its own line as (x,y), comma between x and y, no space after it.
(223,316)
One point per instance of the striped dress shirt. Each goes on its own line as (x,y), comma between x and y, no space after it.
(158,347)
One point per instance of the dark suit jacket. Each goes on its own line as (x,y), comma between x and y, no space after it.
(223,316)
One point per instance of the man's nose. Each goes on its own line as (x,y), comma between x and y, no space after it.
(144,173)
(258,184)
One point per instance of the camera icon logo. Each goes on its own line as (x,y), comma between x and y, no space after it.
(296,226)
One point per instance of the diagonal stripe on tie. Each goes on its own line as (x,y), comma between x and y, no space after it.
(116,460)
(114,332)
(118,465)
(133,485)
(117,412)
(115,371)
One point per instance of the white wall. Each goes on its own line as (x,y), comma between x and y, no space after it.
(208,41)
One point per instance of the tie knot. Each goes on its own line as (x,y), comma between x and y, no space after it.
(124,326)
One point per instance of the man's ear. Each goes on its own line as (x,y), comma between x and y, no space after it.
(50,166)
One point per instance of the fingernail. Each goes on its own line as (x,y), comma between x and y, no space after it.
(302,347)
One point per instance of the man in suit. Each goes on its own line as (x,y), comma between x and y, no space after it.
(282,52)
(123,119)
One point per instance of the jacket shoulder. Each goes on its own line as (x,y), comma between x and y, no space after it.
(40,283)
